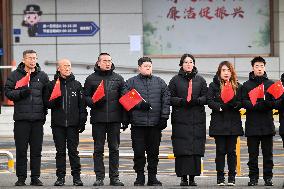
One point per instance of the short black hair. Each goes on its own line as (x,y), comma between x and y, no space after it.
(144,59)
(104,53)
(28,52)
(184,57)
(257,59)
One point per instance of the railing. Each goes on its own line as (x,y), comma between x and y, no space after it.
(10,163)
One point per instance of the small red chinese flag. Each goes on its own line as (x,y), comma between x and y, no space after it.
(276,89)
(227,92)
(130,99)
(257,92)
(56,92)
(99,93)
(23,82)
(189,91)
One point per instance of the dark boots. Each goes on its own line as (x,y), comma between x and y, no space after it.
(140,180)
(153,181)
(191,181)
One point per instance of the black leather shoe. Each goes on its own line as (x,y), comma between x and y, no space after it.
(253,182)
(59,182)
(115,182)
(183,181)
(268,182)
(36,182)
(99,182)
(77,182)
(20,182)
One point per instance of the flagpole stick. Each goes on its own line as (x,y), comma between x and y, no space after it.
(263,93)
(29,77)
(144,100)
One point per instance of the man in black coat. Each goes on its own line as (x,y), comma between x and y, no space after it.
(29,115)
(68,119)
(147,120)
(106,117)
(259,125)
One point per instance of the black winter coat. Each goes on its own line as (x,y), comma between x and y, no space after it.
(259,118)
(154,90)
(279,105)
(69,109)
(31,107)
(109,109)
(228,121)
(188,122)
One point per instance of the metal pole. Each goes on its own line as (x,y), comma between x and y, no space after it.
(10,163)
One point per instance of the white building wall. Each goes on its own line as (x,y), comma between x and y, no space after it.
(117,21)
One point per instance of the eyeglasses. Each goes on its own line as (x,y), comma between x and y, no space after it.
(31,58)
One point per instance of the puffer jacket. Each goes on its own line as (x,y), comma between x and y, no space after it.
(109,109)
(259,118)
(228,121)
(28,108)
(153,90)
(188,122)
(69,109)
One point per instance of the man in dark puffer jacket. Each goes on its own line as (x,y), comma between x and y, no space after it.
(147,120)
(106,117)
(29,116)
(68,118)
(259,125)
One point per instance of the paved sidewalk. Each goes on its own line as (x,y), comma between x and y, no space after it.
(170,181)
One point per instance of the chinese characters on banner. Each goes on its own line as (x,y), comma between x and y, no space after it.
(206,12)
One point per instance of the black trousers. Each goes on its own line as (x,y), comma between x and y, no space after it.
(145,139)
(28,133)
(253,143)
(226,145)
(112,130)
(61,136)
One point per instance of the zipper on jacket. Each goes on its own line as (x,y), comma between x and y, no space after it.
(66,103)
(107,99)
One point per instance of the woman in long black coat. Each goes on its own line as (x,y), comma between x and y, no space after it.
(188,97)
(225,124)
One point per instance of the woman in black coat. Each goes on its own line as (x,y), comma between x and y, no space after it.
(188,97)
(225,124)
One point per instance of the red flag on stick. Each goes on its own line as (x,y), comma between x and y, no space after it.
(23,82)
(276,89)
(130,99)
(189,91)
(257,92)
(227,92)
(99,93)
(56,92)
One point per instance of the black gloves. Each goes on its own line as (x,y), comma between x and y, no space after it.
(57,101)
(145,106)
(82,127)
(25,91)
(99,103)
(124,126)
(193,102)
(163,123)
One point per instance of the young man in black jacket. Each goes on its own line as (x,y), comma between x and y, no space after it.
(68,118)
(147,120)
(259,125)
(106,117)
(29,115)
